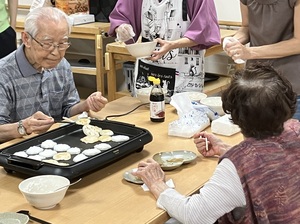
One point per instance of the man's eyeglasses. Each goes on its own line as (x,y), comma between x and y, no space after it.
(52,46)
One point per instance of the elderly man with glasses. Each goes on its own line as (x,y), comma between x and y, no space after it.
(36,81)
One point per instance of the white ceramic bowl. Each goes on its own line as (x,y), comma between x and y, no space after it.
(194,96)
(141,50)
(39,190)
(214,103)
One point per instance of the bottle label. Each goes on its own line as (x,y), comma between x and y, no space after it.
(157,109)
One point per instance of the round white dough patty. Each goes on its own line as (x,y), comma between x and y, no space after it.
(79,157)
(102,146)
(61,147)
(33,150)
(48,144)
(91,152)
(47,153)
(21,154)
(36,157)
(74,150)
(119,138)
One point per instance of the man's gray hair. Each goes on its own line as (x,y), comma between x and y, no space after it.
(46,14)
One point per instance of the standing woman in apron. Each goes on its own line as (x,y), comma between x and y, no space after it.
(183,30)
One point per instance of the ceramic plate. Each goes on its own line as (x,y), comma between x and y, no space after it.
(172,160)
(13,218)
(131,178)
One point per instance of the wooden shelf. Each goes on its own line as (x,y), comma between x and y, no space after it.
(84,70)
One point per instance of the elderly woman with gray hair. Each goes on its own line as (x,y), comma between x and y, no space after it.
(257,180)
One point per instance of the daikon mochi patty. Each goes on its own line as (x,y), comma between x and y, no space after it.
(47,153)
(79,157)
(102,146)
(48,144)
(34,150)
(119,138)
(21,154)
(61,147)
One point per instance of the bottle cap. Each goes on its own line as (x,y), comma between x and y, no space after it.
(156,81)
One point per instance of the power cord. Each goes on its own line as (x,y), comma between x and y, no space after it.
(120,115)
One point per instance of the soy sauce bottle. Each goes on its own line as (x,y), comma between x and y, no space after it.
(157,101)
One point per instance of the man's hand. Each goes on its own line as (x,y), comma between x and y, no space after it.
(96,101)
(38,123)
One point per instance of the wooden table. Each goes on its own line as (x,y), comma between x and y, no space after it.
(90,31)
(116,52)
(104,196)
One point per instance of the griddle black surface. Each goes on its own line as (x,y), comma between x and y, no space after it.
(70,134)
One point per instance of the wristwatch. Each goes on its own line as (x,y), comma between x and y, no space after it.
(21,128)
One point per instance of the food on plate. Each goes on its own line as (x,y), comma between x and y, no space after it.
(74,150)
(61,147)
(119,138)
(33,150)
(104,138)
(21,154)
(102,146)
(175,160)
(89,139)
(91,152)
(79,157)
(62,156)
(48,144)
(47,153)
(131,178)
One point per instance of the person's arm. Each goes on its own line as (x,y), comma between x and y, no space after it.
(126,12)
(209,145)
(220,195)
(37,123)
(94,102)
(13,10)
(202,33)
(277,50)
(242,35)
(9,132)
(204,27)
(169,45)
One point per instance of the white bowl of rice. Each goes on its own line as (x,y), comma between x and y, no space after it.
(40,191)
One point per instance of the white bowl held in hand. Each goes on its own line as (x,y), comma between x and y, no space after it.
(141,50)
(40,191)
(214,103)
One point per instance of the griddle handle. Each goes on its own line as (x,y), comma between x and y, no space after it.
(24,162)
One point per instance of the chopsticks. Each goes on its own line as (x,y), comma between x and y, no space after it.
(65,120)
(206,143)
(25,212)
